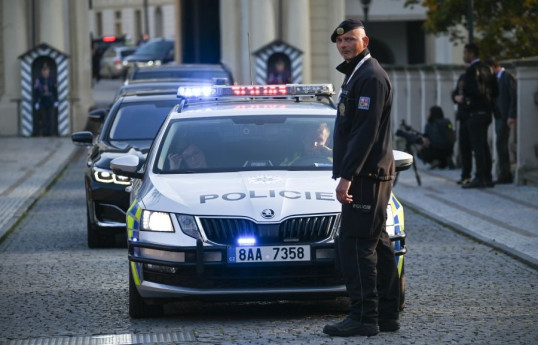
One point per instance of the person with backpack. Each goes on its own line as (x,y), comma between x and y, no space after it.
(438,140)
(480,92)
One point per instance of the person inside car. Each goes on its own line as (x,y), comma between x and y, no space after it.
(314,148)
(192,157)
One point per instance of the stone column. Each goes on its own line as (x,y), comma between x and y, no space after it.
(527,121)
(53,24)
(335,15)
(16,40)
(80,82)
(296,31)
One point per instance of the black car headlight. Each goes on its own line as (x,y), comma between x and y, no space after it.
(107,176)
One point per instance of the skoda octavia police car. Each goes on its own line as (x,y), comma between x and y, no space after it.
(235,199)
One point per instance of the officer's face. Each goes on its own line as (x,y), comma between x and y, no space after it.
(352,43)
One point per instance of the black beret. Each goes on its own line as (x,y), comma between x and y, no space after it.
(345,26)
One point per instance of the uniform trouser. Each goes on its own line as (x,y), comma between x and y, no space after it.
(503,134)
(366,255)
(478,125)
(466,153)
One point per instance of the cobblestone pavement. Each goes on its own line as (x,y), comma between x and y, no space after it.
(54,290)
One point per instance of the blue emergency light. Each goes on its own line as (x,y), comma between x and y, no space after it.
(255,91)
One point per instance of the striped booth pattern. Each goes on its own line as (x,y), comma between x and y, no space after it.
(278,49)
(28,60)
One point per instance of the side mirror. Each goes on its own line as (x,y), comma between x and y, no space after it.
(84,138)
(402,160)
(97,115)
(126,165)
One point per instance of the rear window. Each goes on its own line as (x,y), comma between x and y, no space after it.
(190,74)
(139,121)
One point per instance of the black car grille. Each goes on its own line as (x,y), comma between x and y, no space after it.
(221,277)
(294,230)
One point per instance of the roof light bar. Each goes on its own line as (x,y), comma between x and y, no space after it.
(219,91)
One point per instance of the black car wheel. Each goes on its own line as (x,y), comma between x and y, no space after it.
(138,308)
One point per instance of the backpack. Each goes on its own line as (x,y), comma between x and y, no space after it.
(488,86)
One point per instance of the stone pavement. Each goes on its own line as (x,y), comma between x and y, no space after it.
(505,217)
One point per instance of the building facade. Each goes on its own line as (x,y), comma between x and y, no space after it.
(423,68)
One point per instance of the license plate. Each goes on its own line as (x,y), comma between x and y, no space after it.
(268,254)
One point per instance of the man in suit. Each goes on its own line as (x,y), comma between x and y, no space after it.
(480,91)
(506,118)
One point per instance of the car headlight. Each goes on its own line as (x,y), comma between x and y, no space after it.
(107,176)
(156,221)
(188,226)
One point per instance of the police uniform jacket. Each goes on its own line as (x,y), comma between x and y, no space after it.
(362,133)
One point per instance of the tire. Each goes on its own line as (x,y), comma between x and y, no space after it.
(402,287)
(138,308)
(94,234)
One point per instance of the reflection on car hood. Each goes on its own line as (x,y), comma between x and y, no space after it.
(243,193)
(116,149)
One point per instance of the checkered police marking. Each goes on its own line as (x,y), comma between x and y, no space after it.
(364,103)
(62,79)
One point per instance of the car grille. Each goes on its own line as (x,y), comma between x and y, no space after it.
(293,230)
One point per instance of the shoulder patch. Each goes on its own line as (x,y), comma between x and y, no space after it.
(364,103)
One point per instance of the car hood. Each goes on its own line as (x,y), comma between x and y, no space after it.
(114,149)
(265,196)
(143,57)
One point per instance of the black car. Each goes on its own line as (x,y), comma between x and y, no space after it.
(184,73)
(155,52)
(130,126)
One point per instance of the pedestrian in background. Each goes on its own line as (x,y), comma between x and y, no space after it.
(46,103)
(479,94)
(505,119)
(438,140)
(464,142)
(364,164)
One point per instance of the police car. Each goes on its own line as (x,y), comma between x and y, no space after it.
(235,199)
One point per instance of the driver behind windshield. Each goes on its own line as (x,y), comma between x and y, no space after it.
(315,149)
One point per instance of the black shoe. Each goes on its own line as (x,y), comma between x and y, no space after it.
(389,325)
(349,327)
(475,184)
(464,181)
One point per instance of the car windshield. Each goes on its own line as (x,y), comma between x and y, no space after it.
(185,74)
(156,47)
(139,121)
(242,143)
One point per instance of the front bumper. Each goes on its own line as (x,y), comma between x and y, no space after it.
(109,203)
(205,272)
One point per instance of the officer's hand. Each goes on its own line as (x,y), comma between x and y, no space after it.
(342,191)
(36,106)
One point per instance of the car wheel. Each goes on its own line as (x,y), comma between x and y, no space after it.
(402,287)
(138,308)
(94,234)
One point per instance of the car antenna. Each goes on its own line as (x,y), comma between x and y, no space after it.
(249,58)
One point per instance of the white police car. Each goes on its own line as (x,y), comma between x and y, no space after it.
(235,199)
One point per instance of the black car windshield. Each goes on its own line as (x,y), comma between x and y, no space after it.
(155,47)
(183,74)
(139,121)
(261,142)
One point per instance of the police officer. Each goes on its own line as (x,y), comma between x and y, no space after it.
(364,165)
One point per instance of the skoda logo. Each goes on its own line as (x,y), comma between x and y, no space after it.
(268,213)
